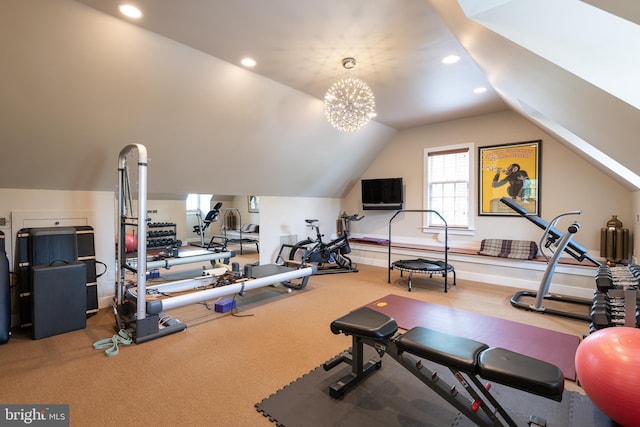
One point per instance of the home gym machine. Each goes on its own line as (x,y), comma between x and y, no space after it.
(556,243)
(144,319)
(212,216)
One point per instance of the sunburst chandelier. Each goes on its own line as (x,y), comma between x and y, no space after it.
(349,103)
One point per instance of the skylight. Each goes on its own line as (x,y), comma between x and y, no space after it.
(597,46)
(626,174)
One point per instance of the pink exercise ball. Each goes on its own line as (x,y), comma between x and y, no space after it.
(131,242)
(608,368)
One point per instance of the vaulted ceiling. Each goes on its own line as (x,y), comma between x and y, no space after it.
(398,47)
(79,82)
(567,66)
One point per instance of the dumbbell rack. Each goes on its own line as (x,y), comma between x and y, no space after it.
(616,300)
(161,235)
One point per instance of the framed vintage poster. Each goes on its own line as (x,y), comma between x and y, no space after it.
(509,170)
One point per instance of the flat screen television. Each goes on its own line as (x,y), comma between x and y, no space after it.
(382,194)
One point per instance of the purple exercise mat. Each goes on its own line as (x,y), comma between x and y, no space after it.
(544,344)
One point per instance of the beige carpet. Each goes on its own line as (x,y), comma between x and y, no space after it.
(214,372)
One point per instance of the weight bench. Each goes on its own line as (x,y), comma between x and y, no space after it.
(467,359)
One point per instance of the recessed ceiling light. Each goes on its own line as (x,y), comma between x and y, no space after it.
(480,90)
(451,59)
(130,11)
(248,62)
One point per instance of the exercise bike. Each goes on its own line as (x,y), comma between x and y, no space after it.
(328,257)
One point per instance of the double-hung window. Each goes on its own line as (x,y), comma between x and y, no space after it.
(448,183)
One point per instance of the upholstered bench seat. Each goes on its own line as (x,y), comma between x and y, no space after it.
(514,249)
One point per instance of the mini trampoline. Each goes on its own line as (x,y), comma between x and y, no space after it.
(424,266)
(421,265)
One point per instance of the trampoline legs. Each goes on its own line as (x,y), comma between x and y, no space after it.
(445,275)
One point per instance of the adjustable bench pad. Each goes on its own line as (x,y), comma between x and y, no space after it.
(522,372)
(449,350)
(367,323)
(496,364)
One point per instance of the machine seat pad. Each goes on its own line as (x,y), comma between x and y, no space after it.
(521,372)
(365,322)
(449,350)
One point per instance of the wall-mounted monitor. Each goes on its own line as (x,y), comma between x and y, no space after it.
(382,194)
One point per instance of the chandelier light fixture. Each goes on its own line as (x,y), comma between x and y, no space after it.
(349,103)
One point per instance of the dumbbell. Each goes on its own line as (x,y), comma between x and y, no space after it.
(614,308)
(615,312)
(602,319)
(600,299)
(604,279)
(634,269)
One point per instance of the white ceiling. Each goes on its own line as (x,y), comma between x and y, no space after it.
(582,48)
(79,82)
(398,46)
(566,65)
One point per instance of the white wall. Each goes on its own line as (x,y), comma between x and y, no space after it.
(567,182)
(103,210)
(101,204)
(573,280)
(278,216)
(78,85)
(241,204)
(169,211)
(284,216)
(101,207)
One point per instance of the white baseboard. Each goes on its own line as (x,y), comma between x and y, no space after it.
(104,302)
(569,280)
